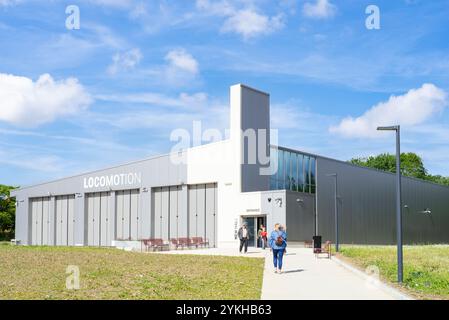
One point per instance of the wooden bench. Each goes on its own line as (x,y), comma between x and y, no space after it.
(154,244)
(199,241)
(326,249)
(184,242)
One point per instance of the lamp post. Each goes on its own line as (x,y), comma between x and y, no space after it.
(398,197)
(337,242)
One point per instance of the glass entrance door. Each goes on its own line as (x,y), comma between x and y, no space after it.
(260,222)
(253,224)
(250,225)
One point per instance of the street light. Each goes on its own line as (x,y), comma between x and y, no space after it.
(337,243)
(398,197)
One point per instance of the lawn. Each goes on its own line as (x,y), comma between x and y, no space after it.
(40,273)
(426,268)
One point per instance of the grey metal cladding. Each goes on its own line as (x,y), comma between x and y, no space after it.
(255,115)
(157,171)
(300,216)
(366,206)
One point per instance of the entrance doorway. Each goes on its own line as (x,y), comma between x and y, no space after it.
(253,224)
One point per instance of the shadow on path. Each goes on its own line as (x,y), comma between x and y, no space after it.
(292,271)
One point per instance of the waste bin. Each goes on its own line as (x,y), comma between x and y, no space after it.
(316,244)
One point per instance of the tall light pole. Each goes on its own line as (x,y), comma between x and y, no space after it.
(398,197)
(337,242)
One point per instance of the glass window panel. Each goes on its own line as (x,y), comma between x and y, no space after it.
(300,172)
(287,170)
(280,174)
(273,161)
(294,175)
(306,173)
(273,184)
(312,171)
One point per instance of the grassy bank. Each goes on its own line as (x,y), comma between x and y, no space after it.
(426,268)
(40,273)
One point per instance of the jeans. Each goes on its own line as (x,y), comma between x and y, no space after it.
(278,254)
(243,243)
(263,242)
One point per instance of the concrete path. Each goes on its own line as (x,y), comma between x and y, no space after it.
(307,278)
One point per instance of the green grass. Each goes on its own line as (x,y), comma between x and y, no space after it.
(426,268)
(39,273)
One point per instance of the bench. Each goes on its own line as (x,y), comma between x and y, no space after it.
(199,241)
(184,242)
(154,244)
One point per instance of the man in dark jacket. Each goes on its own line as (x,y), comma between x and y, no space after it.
(244,237)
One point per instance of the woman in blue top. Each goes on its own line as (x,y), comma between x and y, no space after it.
(278,242)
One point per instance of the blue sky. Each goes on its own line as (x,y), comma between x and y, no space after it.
(113,90)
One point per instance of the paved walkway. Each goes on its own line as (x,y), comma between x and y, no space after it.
(307,278)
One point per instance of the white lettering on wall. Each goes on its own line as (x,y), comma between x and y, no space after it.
(113,180)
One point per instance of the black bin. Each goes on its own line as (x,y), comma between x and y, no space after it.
(316,243)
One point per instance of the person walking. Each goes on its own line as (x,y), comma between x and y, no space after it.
(262,235)
(278,243)
(244,237)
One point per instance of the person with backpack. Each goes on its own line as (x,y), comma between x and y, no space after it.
(278,243)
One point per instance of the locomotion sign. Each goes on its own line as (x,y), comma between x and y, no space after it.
(113,180)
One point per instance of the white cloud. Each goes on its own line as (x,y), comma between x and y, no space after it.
(320,9)
(119,4)
(412,108)
(152,98)
(27,103)
(249,23)
(246,21)
(181,59)
(125,61)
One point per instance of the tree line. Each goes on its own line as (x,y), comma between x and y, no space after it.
(411,166)
(7,213)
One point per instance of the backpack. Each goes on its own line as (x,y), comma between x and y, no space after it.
(279,241)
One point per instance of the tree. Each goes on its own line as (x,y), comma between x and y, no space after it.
(7,210)
(411,166)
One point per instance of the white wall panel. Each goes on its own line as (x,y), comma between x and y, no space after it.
(119,214)
(192,211)
(65,220)
(90,217)
(173,212)
(71,220)
(39,222)
(165,213)
(33,206)
(157,212)
(201,210)
(126,217)
(134,214)
(46,223)
(99,215)
(210,213)
(104,220)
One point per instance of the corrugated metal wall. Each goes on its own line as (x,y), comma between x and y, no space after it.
(171,220)
(300,216)
(367,206)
